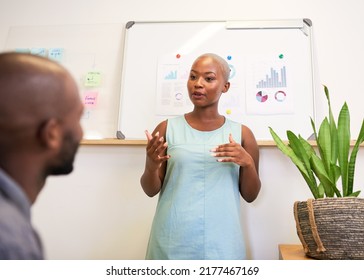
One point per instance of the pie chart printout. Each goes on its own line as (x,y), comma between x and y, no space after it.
(261,96)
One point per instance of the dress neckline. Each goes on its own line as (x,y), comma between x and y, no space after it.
(203,131)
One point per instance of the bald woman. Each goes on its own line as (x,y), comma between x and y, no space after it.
(40,131)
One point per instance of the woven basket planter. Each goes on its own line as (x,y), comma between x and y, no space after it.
(331,228)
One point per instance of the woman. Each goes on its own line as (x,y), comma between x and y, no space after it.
(200,164)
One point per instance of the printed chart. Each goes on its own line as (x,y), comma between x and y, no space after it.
(267,89)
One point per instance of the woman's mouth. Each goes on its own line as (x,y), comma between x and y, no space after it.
(198,95)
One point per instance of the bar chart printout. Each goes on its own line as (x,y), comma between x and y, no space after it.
(268,92)
(275,79)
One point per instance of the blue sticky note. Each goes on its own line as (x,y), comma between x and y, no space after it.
(22,50)
(56,54)
(39,51)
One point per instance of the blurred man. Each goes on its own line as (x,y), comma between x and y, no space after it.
(40,131)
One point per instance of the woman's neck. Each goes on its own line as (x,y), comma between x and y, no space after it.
(205,121)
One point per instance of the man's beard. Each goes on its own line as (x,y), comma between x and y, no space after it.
(66,156)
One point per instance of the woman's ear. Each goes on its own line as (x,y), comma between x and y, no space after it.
(226,87)
(50,134)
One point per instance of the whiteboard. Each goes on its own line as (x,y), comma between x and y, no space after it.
(92,53)
(271,62)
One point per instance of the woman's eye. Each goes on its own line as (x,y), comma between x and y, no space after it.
(209,79)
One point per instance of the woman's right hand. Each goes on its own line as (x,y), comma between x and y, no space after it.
(156,151)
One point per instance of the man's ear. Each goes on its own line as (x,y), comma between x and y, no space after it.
(226,87)
(50,134)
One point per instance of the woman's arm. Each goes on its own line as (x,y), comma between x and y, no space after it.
(249,171)
(156,160)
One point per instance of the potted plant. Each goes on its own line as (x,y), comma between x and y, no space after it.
(331,224)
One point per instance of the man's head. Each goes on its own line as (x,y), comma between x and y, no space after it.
(40,111)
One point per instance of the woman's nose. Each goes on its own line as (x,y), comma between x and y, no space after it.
(198,82)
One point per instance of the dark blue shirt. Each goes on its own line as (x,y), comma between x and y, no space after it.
(18,239)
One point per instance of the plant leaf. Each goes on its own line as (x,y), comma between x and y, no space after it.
(321,191)
(298,149)
(355,194)
(324,144)
(319,170)
(343,128)
(351,167)
(307,146)
(314,130)
(333,129)
(296,143)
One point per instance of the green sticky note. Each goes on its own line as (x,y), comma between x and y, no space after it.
(93,79)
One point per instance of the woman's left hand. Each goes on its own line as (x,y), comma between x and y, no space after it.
(232,152)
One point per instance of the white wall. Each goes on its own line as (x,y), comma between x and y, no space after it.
(100,211)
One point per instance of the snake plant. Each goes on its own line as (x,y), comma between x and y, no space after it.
(333,159)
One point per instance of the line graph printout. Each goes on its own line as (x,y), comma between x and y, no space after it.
(172,74)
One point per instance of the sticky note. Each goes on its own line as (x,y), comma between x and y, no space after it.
(90,99)
(56,54)
(22,50)
(39,51)
(93,79)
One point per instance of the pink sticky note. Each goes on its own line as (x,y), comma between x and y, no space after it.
(90,99)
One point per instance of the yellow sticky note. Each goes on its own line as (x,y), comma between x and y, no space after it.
(93,79)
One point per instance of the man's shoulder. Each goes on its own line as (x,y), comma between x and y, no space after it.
(17,237)
(11,219)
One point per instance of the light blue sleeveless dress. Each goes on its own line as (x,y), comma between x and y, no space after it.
(198,210)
